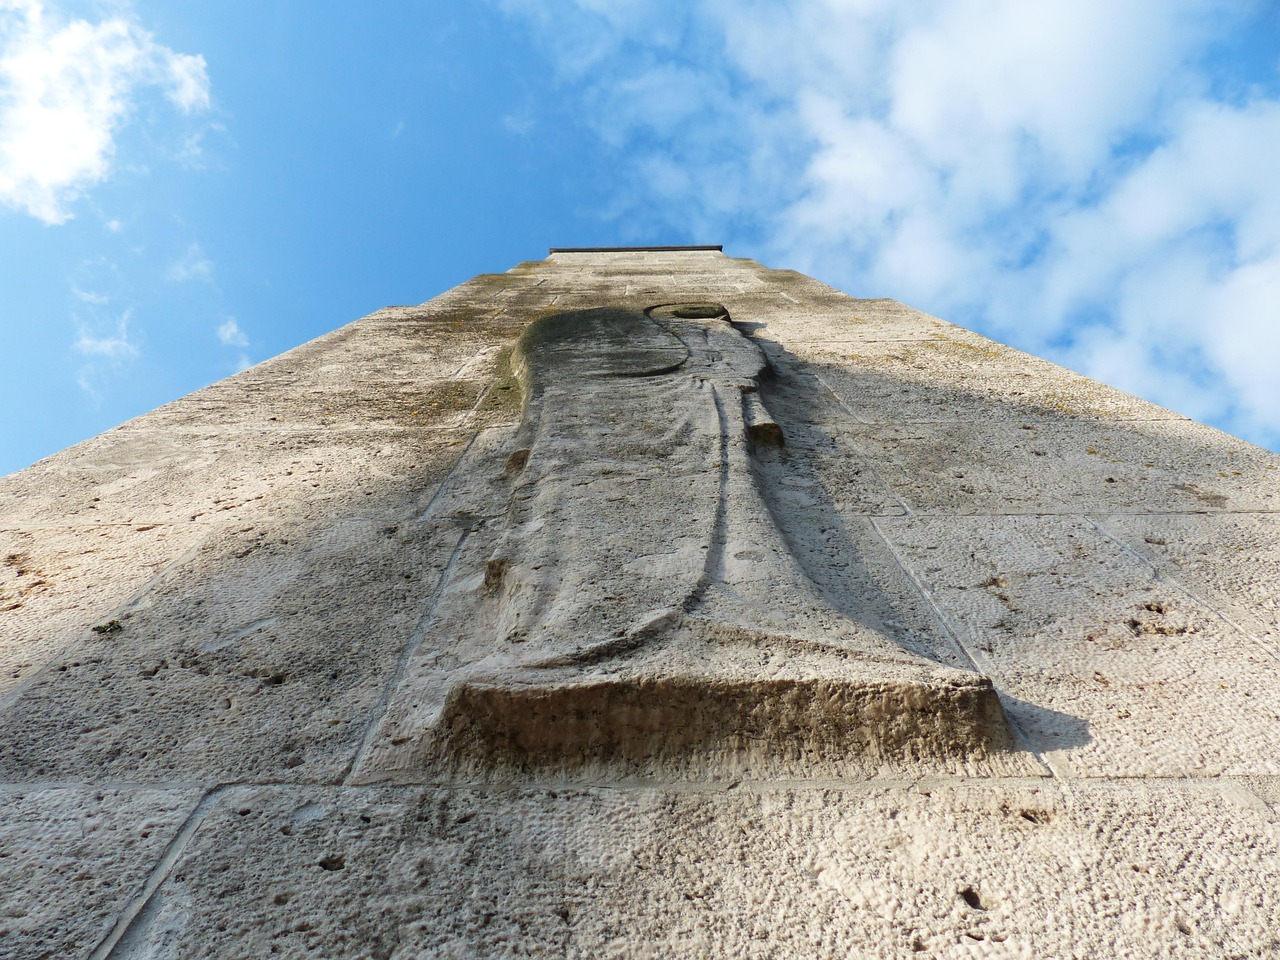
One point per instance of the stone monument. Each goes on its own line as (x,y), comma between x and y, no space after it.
(643,603)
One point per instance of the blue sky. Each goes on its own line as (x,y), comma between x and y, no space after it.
(189,189)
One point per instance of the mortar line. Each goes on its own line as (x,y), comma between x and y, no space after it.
(453,377)
(863,461)
(402,663)
(1051,419)
(159,873)
(1065,512)
(114,524)
(1163,573)
(627,784)
(484,395)
(419,631)
(954,636)
(448,477)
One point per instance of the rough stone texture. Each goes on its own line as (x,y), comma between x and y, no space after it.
(643,605)
(957,869)
(74,858)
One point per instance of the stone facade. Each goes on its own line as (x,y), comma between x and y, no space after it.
(643,604)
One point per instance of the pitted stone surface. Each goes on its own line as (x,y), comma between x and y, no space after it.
(998,868)
(57,584)
(1230,561)
(225,474)
(958,376)
(72,858)
(1104,656)
(249,661)
(643,604)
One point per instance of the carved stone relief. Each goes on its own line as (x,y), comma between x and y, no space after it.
(623,598)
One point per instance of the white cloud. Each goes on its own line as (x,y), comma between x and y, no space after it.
(66,87)
(187,77)
(520,124)
(1000,91)
(229,333)
(1063,174)
(192,265)
(115,345)
(90,296)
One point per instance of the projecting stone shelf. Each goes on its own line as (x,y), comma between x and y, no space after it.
(680,726)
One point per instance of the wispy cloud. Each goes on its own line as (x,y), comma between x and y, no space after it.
(187,78)
(66,87)
(114,345)
(231,335)
(1084,178)
(107,338)
(90,296)
(520,124)
(192,265)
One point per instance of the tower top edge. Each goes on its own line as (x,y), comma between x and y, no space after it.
(714,247)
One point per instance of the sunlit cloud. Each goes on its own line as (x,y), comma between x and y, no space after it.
(231,335)
(192,265)
(67,86)
(1060,174)
(90,296)
(115,345)
(187,79)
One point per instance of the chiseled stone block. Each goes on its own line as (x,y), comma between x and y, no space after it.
(643,604)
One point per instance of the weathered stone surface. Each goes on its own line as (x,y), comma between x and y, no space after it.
(1000,868)
(955,375)
(57,584)
(1107,657)
(643,604)
(223,474)
(634,602)
(73,859)
(1069,467)
(250,661)
(1229,562)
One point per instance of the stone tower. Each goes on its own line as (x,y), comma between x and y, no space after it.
(643,603)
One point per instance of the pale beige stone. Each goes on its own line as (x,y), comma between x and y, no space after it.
(1228,561)
(58,583)
(941,869)
(250,661)
(72,860)
(1110,669)
(643,604)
